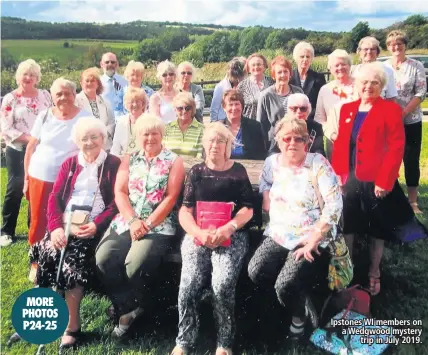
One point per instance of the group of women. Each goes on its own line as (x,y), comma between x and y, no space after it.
(131,174)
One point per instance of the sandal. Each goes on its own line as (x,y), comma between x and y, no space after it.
(415,208)
(223,351)
(374,288)
(178,350)
(120,330)
(63,347)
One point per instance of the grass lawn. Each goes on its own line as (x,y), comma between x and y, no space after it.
(403,296)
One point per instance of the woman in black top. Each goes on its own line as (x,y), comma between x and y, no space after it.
(204,251)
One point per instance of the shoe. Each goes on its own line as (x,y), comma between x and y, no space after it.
(223,351)
(311,312)
(415,208)
(296,331)
(374,285)
(64,347)
(6,240)
(121,330)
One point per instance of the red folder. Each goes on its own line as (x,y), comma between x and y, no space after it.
(212,215)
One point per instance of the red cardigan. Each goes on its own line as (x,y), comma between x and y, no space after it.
(66,178)
(380,143)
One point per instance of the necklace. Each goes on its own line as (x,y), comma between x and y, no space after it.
(132,138)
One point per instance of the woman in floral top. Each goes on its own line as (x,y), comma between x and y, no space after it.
(19,110)
(410,80)
(289,257)
(147,186)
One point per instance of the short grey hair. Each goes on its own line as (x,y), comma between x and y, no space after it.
(165,67)
(298,99)
(341,54)
(187,99)
(86,124)
(29,65)
(219,129)
(375,68)
(62,82)
(184,65)
(372,41)
(148,121)
(301,46)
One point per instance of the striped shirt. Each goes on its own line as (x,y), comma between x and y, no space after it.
(187,143)
(251,93)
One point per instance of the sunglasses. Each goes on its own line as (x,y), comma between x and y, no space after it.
(186,72)
(296,139)
(168,74)
(301,108)
(110,62)
(185,108)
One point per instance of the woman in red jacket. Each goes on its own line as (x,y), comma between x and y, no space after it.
(367,156)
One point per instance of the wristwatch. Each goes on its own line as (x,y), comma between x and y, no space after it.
(149,224)
(132,220)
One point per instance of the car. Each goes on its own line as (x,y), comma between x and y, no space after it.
(423,58)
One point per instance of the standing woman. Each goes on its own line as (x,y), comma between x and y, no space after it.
(251,87)
(49,146)
(19,110)
(304,77)
(161,102)
(184,84)
(410,81)
(90,100)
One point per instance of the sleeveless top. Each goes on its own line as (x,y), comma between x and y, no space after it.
(167,112)
(147,185)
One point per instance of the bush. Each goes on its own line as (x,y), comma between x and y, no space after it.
(66,45)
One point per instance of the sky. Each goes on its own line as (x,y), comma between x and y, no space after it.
(334,16)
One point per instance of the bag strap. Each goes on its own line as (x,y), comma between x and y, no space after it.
(99,182)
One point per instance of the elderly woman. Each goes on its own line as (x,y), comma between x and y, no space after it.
(161,102)
(215,253)
(184,135)
(147,187)
(49,146)
(90,100)
(333,94)
(272,104)
(86,179)
(125,136)
(184,84)
(304,77)
(289,257)
(367,157)
(134,74)
(368,51)
(248,143)
(18,112)
(234,75)
(298,106)
(410,80)
(251,87)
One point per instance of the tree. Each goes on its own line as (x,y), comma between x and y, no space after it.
(360,30)
(7,60)
(416,20)
(151,49)
(253,39)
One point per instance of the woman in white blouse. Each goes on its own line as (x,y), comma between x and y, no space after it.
(125,140)
(19,110)
(90,99)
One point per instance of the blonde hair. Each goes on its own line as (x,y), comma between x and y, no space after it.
(341,54)
(223,132)
(376,68)
(371,40)
(187,99)
(135,94)
(133,66)
(147,122)
(95,73)
(63,82)
(185,64)
(303,46)
(396,35)
(165,67)
(291,124)
(29,65)
(84,125)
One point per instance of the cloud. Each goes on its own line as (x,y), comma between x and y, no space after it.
(369,7)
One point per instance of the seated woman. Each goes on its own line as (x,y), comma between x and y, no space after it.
(298,106)
(289,257)
(222,180)
(125,137)
(85,179)
(184,135)
(148,184)
(248,142)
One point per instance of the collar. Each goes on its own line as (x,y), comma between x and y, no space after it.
(100,159)
(194,124)
(156,158)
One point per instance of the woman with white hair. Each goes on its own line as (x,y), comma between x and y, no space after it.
(18,113)
(125,136)
(86,179)
(208,251)
(148,185)
(134,74)
(186,71)
(161,102)
(333,94)
(304,77)
(49,146)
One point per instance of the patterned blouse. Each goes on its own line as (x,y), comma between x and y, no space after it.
(18,114)
(147,185)
(411,82)
(294,206)
(94,108)
(251,93)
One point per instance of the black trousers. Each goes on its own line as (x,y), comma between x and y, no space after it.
(412,152)
(15,184)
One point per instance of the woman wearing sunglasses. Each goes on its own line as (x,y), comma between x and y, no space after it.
(161,101)
(293,255)
(184,84)
(184,135)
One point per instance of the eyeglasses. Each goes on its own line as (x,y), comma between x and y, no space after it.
(186,72)
(185,108)
(167,74)
(296,139)
(217,140)
(110,62)
(91,138)
(301,108)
